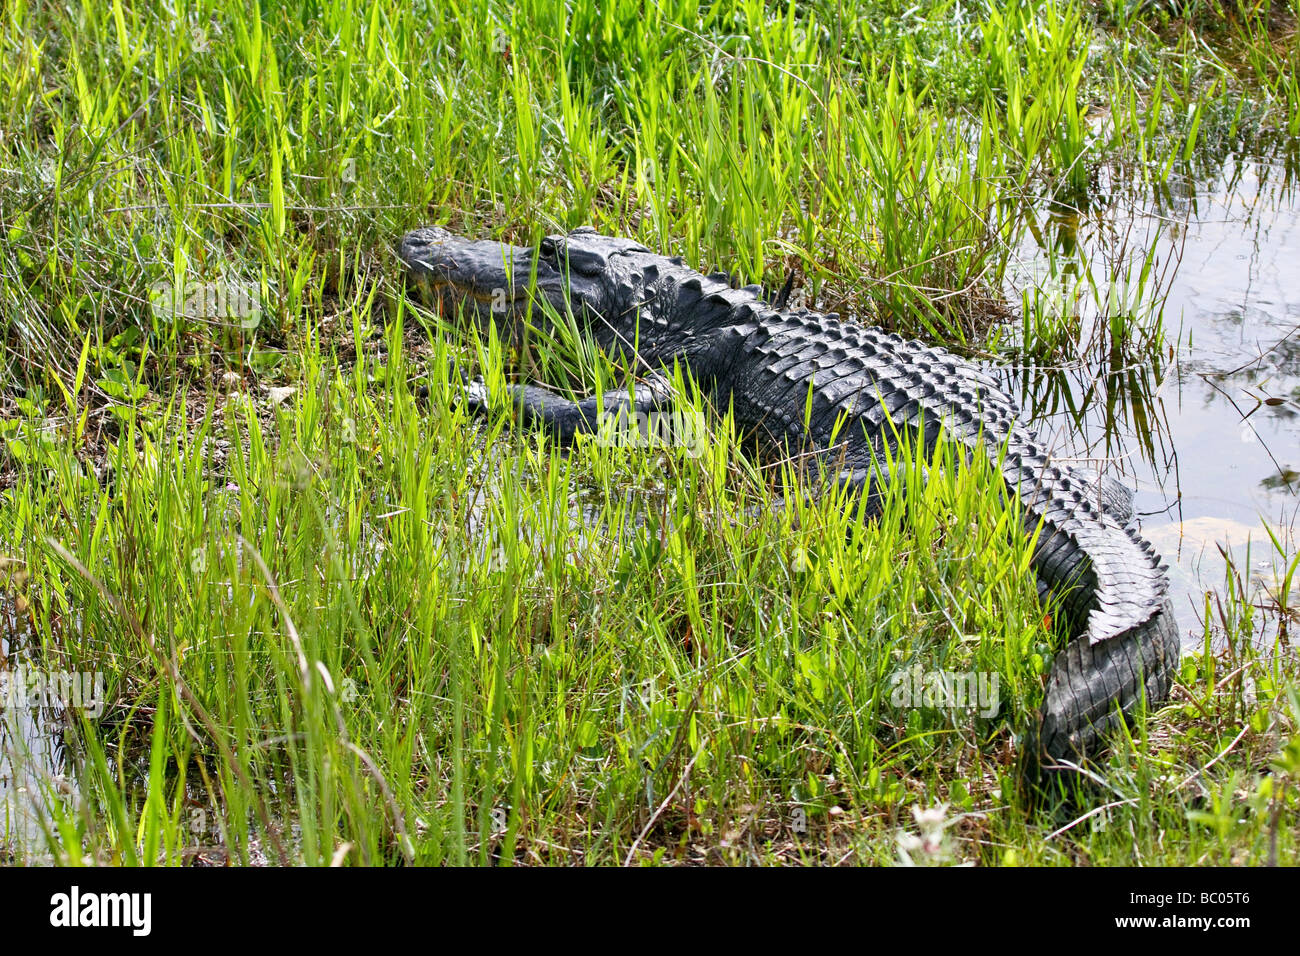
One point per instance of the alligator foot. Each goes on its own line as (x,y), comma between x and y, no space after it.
(472,393)
(564,419)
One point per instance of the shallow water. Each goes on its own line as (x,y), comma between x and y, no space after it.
(1210,440)
(32,761)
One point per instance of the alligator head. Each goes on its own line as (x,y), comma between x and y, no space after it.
(582,271)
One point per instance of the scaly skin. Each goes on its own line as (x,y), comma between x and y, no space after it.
(868,387)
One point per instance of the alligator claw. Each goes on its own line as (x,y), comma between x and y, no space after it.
(475,394)
(472,392)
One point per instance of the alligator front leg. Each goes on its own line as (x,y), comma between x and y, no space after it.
(543,409)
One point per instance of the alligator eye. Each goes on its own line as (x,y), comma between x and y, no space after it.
(547,248)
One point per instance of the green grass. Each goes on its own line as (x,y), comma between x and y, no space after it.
(353,627)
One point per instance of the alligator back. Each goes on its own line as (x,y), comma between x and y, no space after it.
(1125,642)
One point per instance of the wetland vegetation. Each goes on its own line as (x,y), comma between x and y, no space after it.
(331,618)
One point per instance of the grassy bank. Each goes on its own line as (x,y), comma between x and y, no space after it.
(339,624)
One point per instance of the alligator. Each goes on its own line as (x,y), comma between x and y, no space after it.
(795,378)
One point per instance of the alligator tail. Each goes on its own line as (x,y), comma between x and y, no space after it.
(1126,645)
(1093,687)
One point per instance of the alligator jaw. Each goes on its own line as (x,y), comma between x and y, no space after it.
(490,278)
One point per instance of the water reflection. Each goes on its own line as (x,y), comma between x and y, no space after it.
(1208,430)
(32,755)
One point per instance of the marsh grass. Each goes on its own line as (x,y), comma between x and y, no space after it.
(341,624)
